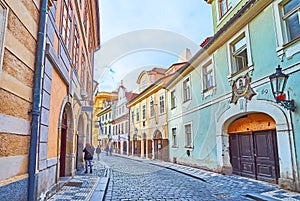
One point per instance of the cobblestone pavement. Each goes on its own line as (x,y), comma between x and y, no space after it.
(82,186)
(138,179)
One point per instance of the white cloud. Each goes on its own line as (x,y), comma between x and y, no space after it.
(129,29)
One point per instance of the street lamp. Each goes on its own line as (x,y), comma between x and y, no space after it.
(278,81)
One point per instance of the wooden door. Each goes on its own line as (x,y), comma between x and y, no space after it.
(255,155)
(267,167)
(63,149)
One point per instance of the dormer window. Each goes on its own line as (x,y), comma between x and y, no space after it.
(143,85)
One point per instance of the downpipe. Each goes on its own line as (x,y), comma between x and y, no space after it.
(36,110)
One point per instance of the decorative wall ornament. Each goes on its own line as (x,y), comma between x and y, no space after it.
(241,88)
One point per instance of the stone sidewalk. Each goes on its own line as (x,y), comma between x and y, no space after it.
(84,187)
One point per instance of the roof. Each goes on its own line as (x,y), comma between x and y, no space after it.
(130,95)
(160,82)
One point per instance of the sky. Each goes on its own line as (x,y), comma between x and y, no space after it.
(138,35)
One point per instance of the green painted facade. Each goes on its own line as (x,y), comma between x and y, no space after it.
(210,112)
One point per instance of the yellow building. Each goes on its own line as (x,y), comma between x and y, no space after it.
(101,100)
(148,114)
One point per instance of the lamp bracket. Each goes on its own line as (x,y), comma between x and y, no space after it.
(288,104)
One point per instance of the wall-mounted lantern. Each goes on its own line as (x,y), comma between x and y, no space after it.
(278,81)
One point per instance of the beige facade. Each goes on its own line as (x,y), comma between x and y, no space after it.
(64,89)
(148,115)
(18,37)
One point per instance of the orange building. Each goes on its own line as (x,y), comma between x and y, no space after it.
(67,90)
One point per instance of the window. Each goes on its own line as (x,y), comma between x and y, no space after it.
(85,17)
(66,20)
(144,112)
(83,68)
(137,114)
(186,90)
(174,138)
(208,76)
(291,17)
(188,136)
(173,99)
(162,104)
(143,85)
(151,107)
(132,116)
(76,40)
(239,55)
(224,6)
(126,127)
(3,20)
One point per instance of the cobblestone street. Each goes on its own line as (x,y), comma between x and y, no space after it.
(139,179)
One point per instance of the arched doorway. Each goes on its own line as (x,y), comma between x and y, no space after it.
(124,147)
(253,147)
(66,142)
(136,146)
(63,144)
(80,144)
(157,141)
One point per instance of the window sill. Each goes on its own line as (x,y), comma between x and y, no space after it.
(291,48)
(189,147)
(242,72)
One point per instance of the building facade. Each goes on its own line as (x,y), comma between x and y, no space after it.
(101,101)
(120,123)
(148,117)
(18,39)
(46,77)
(225,117)
(67,91)
(105,117)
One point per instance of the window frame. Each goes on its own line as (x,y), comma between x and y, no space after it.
(5,10)
(68,20)
(294,11)
(174,137)
(173,99)
(186,140)
(144,112)
(162,108)
(137,114)
(249,66)
(76,46)
(284,46)
(184,90)
(152,109)
(228,4)
(211,71)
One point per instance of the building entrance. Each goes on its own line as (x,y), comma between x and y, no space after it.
(254,153)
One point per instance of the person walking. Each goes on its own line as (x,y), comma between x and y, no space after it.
(88,156)
(98,151)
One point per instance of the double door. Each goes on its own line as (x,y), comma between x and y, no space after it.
(255,155)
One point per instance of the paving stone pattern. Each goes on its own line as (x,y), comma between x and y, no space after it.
(153,180)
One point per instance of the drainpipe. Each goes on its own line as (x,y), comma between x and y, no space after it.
(36,110)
